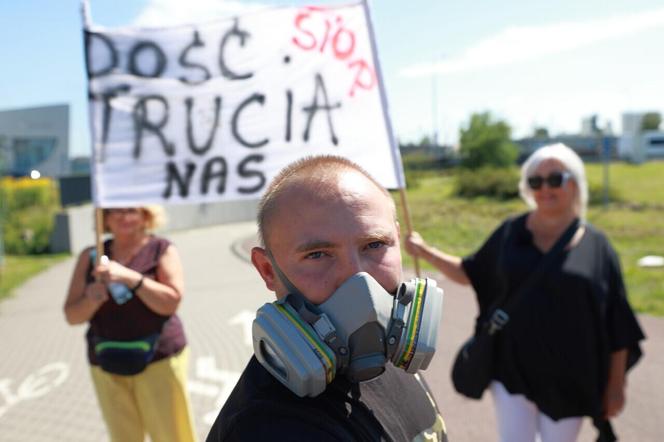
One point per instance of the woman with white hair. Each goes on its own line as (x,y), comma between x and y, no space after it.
(571,334)
(135,341)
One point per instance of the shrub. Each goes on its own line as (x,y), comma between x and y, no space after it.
(486,142)
(498,183)
(596,194)
(27,208)
(415,176)
(417,161)
(416,166)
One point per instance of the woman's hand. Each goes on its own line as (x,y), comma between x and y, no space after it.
(83,299)
(449,265)
(614,395)
(414,244)
(161,293)
(112,271)
(614,400)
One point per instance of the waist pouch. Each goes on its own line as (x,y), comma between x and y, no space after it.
(125,357)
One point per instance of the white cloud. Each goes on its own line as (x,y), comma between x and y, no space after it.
(176,12)
(518,44)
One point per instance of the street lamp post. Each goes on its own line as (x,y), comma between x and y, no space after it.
(2,220)
(434,108)
(434,99)
(2,211)
(606,155)
(2,242)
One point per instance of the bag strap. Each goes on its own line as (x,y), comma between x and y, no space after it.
(500,315)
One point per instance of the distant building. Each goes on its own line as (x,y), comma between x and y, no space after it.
(79,166)
(636,144)
(591,143)
(589,147)
(432,150)
(589,126)
(35,139)
(439,155)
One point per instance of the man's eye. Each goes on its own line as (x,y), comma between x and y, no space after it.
(375,245)
(314,255)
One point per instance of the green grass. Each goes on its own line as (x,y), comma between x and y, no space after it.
(634,184)
(634,221)
(18,269)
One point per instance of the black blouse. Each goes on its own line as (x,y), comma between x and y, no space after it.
(555,350)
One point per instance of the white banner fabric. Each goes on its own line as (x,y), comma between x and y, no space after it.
(212,111)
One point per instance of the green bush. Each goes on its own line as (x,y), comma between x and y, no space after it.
(486,143)
(416,166)
(498,183)
(596,194)
(413,178)
(27,211)
(421,161)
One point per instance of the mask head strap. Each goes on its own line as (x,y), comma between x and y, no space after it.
(282,277)
(307,311)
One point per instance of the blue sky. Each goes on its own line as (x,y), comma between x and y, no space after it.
(531,63)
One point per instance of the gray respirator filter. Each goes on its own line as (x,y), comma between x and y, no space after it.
(356,332)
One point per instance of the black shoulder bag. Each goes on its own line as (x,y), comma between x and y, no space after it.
(473,366)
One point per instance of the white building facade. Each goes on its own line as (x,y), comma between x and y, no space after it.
(637,145)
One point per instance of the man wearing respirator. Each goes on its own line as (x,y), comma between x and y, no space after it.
(336,356)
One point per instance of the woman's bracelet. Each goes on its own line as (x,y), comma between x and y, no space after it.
(138,284)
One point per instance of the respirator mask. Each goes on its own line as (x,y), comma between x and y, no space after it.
(359,329)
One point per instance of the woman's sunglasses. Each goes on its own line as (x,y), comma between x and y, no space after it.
(555,180)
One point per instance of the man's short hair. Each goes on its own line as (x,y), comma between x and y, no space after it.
(318,172)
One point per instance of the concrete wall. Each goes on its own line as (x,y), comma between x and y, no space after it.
(74,226)
(74,230)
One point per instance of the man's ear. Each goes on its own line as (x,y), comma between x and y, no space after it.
(264,266)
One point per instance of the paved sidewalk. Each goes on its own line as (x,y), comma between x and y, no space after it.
(46,393)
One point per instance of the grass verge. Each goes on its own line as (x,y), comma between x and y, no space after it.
(18,269)
(634,223)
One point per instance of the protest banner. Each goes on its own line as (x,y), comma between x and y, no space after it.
(212,111)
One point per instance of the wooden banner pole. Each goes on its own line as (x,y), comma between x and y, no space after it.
(409,227)
(99,233)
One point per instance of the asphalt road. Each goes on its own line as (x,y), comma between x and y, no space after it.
(45,388)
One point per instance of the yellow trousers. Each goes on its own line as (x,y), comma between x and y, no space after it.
(154,401)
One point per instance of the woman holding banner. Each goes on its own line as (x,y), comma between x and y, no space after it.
(570,336)
(136,343)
